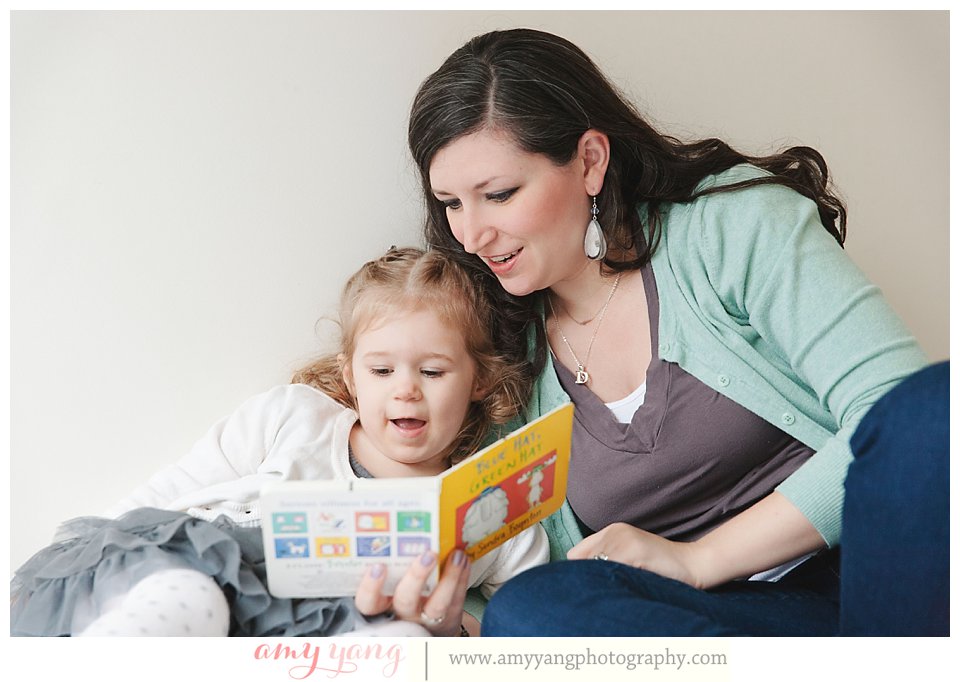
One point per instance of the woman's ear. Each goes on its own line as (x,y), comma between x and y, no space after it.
(593,150)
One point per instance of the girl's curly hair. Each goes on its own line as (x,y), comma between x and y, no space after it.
(409,279)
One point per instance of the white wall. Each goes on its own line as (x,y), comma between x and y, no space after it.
(190,190)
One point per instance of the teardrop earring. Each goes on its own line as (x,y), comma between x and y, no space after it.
(594,243)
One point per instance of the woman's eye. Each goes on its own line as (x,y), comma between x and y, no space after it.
(500,197)
(451,205)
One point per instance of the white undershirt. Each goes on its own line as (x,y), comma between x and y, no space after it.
(625,408)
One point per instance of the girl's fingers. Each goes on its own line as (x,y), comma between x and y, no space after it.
(370,599)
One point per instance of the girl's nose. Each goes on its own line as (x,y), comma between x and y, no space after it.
(407,388)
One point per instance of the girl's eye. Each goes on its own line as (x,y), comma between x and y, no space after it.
(380,371)
(432,373)
(500,197)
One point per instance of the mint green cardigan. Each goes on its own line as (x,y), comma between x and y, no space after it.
(759,302)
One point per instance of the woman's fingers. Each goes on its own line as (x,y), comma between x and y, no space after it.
(616,542)
(590,547)
(628,545)
(440,612)
(446,601)
(407,597)
(370,599)
(451,591)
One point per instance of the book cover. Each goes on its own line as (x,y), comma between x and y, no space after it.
(320,536)
(506,487)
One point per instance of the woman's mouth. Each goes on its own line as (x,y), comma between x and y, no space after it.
(502,264)
(505,258)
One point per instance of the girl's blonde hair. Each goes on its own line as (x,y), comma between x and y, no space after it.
(409,279)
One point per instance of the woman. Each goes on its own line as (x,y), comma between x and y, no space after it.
(719,346)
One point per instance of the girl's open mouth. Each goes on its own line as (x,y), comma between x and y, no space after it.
(408,423)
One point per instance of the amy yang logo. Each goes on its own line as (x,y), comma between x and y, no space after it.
(334,658)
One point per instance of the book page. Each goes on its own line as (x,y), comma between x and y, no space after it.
(321,536)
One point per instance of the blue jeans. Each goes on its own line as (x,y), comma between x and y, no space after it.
(893,579)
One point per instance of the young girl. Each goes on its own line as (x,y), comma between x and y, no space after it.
(415,387)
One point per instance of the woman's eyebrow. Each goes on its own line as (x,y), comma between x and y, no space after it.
(478,186)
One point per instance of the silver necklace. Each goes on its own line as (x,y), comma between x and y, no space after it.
(582,375)
(590,319)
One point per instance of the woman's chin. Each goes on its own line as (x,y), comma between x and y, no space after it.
(517,286)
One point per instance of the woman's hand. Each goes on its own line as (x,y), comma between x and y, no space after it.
(629,545)
(440,612)
(766,534)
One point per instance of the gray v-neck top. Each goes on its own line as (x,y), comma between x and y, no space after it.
(690,458)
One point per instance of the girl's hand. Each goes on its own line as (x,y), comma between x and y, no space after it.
(629,545)
(440,612)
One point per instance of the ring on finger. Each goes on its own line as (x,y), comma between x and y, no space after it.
(428,621)
(601,556)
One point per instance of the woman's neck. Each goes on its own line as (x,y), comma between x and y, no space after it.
(582,295)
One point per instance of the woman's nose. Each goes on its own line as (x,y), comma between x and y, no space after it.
(474,232)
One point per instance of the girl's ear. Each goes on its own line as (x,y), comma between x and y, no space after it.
(480,390)
(593,150)
(347,372)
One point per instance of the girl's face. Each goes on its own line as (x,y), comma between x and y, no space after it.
(413,380)
(523,215)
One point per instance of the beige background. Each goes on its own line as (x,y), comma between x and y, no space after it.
(189,191)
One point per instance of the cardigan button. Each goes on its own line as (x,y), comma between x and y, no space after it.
(788,418)
(723,380)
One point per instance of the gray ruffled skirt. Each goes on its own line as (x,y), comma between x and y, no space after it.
(66,585)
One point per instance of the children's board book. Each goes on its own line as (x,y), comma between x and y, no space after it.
(320,537)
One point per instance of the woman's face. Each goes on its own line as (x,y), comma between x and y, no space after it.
(523,215)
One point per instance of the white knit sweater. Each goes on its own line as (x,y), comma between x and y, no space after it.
(291,432)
